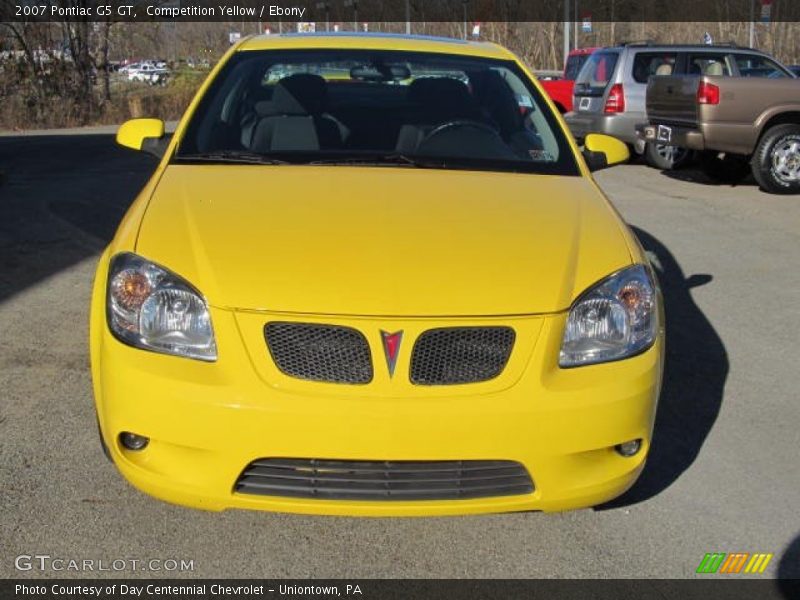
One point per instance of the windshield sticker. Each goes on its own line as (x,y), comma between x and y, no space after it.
(541,156)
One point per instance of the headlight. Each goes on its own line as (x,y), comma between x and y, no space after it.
(149,307)
(616,318)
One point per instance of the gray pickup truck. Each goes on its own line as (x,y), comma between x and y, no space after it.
(742,112)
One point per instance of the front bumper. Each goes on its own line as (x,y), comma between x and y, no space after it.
(208,421)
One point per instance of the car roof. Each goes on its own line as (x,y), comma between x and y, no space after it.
(375,41)
(582,51)
(684,47)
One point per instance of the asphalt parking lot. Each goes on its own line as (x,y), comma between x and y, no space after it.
(723,474)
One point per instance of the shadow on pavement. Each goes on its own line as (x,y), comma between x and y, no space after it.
(61,199)
(789,571)
(695,371)
(695,175)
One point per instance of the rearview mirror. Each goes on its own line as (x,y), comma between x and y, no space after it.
(601,151)
(380,72)
(146,135)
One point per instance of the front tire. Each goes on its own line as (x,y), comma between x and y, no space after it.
(776,161)
(666,158)
(724,167)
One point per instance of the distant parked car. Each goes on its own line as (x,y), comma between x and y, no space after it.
(610,91)
(544,75)
(148,73)
(560,88)
(741,113)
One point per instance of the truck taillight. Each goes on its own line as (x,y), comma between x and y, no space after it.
(707,93)
(615,103)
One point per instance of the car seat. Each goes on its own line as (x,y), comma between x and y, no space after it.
(434,101)
(295,118)
(664,69)
(503,110)
(261,96)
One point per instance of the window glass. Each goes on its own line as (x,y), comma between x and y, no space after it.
(574,64)
(752,65)
(596,73)
(646,64)
(332,105)
(708,64)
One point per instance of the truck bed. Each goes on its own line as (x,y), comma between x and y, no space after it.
(732,123)
(671,99)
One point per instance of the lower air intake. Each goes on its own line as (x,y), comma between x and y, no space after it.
(384,480)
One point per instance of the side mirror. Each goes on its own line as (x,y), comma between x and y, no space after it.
(146,135)
(601,151)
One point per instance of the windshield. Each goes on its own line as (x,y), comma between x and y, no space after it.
(376,107)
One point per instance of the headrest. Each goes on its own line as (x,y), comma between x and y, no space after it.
(265,108)
(713,68)
(440,91)
(492,92)
(300,94)
(665,69)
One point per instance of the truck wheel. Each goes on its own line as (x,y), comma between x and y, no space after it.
(724,167)
(776,161)
(666,158)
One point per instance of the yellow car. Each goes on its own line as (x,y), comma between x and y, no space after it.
(398,292)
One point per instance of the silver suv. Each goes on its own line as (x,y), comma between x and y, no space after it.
(611,89)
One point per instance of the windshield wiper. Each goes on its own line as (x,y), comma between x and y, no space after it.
(365,160)
(231,156)
(383,159)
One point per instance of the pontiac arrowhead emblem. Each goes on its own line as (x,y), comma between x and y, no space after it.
(391,348)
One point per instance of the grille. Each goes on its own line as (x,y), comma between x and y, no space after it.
(319,352)
(384,480)
(460,355)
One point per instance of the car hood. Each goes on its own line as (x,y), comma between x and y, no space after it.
(381,241)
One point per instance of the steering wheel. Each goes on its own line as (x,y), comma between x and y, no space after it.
(450,125)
